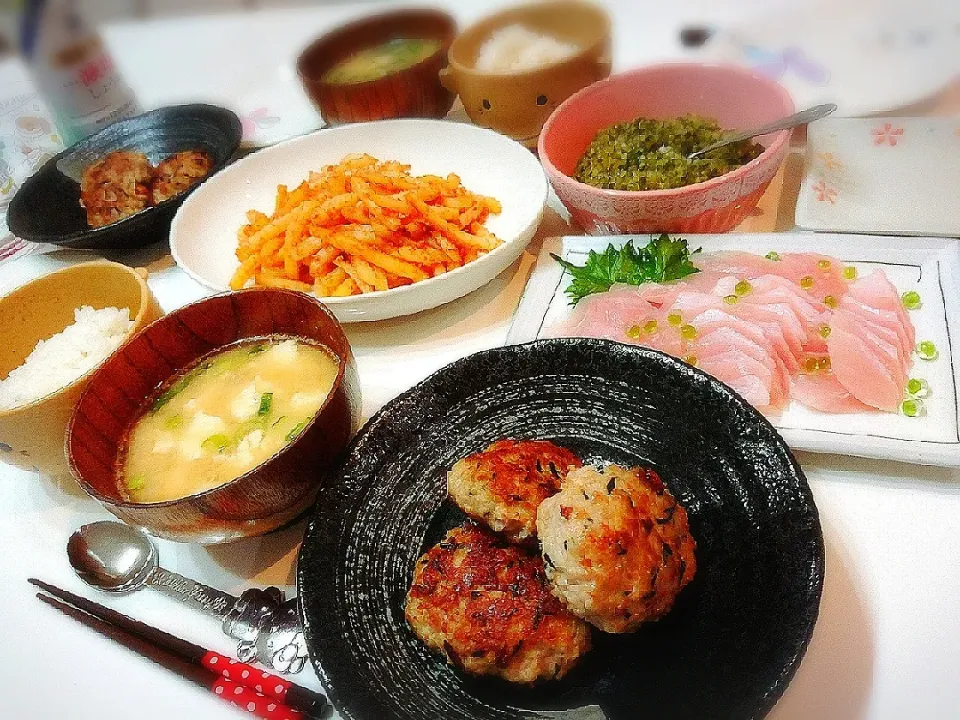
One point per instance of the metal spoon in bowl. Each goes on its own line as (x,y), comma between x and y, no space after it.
(118,558)
(804,117)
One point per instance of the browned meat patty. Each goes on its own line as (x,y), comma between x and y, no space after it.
(617,546)
(116,186)
(487,607)
(503,485)
(179,172)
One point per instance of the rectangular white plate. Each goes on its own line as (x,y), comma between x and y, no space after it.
(931,266)
(882,175)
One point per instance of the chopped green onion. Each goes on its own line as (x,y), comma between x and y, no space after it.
(926,350)
(850,273)
(773,255)
(918,388)
(911,300)
(806,282)
(688,332)
(256,349)
(298,428)
(650,327)
(730,299)
(674,318)
(824,331)
(913,408)
(742,287)
(634,331)
(216,443)
(266,401)
(173,422)
(137,482)
(824,264)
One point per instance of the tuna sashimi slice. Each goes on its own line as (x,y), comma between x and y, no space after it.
(792,330)
(606,315)
(888,320)
(825,272)
(858,368)
(767,334)
(888,353)
(720,340)
(825,393)
(744,374)
(876,291)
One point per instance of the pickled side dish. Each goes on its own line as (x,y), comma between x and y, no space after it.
(648,154)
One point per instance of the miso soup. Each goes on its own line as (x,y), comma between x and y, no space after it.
(224,416)
(381,60)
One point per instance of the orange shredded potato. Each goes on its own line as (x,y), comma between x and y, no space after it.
(362,226)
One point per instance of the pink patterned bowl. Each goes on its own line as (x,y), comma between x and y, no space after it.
(736,97)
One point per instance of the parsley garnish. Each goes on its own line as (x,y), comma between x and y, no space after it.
(661,260)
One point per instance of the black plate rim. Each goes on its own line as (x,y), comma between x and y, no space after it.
(817,567)
(232,133)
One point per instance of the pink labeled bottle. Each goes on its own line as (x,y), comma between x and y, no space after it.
(73,69)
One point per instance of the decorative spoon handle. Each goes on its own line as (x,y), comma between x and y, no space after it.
(189,592)
(804,117)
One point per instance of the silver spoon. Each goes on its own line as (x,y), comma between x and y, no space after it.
(118,558)
(804,117)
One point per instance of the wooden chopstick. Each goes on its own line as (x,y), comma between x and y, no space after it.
(277,690)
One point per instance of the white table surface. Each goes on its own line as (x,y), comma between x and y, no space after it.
(884,646)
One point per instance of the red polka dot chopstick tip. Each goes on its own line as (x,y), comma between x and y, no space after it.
(251,689)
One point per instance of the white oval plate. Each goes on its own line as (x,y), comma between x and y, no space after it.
(203,236)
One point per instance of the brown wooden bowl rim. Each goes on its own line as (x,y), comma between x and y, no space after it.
(145,294)
(337,384)
(502,18)
(319,83)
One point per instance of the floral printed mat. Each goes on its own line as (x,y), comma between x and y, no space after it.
(28,138)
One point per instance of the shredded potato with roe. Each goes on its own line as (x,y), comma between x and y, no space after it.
(363,225)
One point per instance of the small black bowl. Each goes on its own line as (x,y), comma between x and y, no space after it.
(46,208)
(726,650)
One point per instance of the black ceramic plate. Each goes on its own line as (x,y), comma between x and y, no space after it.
(46,208)
(736,634)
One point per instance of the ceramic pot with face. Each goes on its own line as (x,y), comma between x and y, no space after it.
(517,103)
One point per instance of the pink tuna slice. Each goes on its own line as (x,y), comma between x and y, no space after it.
(709,321)
(888,354)
(885,323)
(772,287)
(743,265)
(858,368)
(876,291)
(735,368)
(797,266)
(825,393)
(720,340)
(780,315)
(605,315)
(766,333)
(887,337)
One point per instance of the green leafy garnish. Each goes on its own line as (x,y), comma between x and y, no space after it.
(266,400)
(661,260)
(216,443)
(137,482)
(297,429)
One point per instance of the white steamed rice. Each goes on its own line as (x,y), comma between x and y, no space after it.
(67,356)
(515,48)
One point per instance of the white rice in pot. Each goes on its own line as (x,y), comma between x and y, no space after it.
(67,356)
(515,48)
